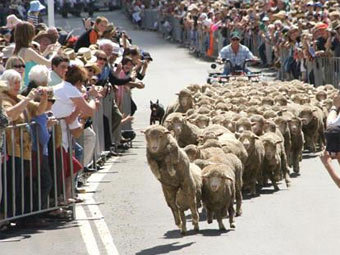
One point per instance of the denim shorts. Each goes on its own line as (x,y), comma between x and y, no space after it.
(332,136)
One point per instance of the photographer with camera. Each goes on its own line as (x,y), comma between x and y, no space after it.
(236,53)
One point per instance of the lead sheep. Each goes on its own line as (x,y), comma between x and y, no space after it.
(170,165)
(217,155)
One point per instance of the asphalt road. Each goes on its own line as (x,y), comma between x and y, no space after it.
(302,220)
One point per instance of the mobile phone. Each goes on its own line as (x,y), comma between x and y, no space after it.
(311,51)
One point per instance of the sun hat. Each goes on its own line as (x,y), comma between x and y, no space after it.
(94,66)
(70,53)
(12,21)
(76,62)
(36,6)
(86,54)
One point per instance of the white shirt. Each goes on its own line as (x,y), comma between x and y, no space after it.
(64,106)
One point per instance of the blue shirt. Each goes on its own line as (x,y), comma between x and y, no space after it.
(236,59)
(44,135)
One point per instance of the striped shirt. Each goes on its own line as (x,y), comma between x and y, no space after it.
(34,19)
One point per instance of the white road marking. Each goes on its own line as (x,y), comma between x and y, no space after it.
(86,233)
(102,228)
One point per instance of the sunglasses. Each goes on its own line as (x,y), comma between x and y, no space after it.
(20,66)
(235,39)
(100,58)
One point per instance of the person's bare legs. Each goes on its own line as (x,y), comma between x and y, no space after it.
(326,159)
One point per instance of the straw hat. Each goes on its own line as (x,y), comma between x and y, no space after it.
(70,53)
(94,66)
(86,55)
(76,62)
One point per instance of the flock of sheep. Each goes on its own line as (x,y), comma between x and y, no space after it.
(219,142)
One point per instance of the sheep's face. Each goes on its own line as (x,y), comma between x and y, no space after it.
(295,126)
(248,140)
(242,125)
(321,96)
(307,116)
(270,148)
(215,183)
(202,122)
(185,101)
(177,125)
(282,125)
(156,139)
(229,124)
(281,102)
(257,127)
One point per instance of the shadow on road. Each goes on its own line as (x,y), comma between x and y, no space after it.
(175,234)
(16,234)
(164,249)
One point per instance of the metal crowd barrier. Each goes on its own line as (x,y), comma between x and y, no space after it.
(24,181)
(26,189)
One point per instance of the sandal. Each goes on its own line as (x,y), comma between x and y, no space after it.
(60,214)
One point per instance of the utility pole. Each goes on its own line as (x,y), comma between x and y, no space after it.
(50,13)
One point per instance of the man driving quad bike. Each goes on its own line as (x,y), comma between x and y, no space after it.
(235,55)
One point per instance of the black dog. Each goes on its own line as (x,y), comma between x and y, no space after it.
(157,112)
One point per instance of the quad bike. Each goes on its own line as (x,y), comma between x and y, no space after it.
(236,73)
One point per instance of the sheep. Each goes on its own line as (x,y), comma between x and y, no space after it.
(271,128)
(218,193)
(216,129)
(217,155)
(243,124)
(201,121)
(183,202)
(297,138)
(313,127)
(184,132)
(282,124)
(254,164)
(272,159)
(171,166)
(183,104)
(257,124)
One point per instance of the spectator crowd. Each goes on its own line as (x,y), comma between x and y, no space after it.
(287,35)
(52,86)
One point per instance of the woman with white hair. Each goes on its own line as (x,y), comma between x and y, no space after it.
(19,110)
(39,76)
